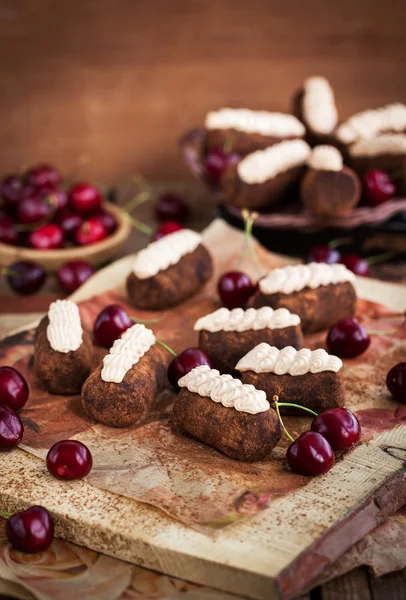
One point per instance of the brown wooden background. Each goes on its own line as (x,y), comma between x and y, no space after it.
(121,79)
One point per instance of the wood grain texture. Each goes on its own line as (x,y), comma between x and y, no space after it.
(351,586)
(121,81)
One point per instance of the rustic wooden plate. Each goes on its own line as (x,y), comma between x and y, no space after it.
(96,254)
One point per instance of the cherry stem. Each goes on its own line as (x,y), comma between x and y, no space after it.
(339,242)
(168,348)
(5,514)
(136,200)
(146,321)
(249,219)
(138,224)
(309,410)
(275,399)
(228,144)
(372,260)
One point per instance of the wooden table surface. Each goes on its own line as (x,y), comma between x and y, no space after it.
(359,584)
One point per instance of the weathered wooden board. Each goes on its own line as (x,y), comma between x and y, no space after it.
(276,553)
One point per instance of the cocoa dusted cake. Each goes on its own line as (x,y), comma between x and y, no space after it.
(329,188)
(305,377)
(227,335)
(231,417)
(316,106)
(263,177)
(243,130)
(169,271)
(319,293)
(122,388)
(62,349)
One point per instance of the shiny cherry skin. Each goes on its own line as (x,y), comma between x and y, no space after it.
(14,389)
(235,289)
(185,362)
(48,237)
(43,175)
(396,382)
(33,209)
(171,207)
(216,162)
(356,264)
(73,274)
(339,426)
(166,229)
(85,198)
(57,199)
(11,428)
(26,277)
(8,231)
(347,338)
(10,190)
(110,324)
(31,530)
(323,254)
(310,454)
(69,459)
(91,231)
(70,222)
(108,220)
(378,187)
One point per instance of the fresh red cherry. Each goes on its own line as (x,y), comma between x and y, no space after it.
(91,231)
(57,199)
(31,530)
(13,388)
(33,209)
(69,459)
(48,237)
(356,264)
(216,162)
(110,324)
(185,362)
(43,175)
(11,428)
(396,382)
(378,187)
(347,338)
(69,222)
(166,229)
(10,190)
(171,207)
(85,198)
(108,220)
(8,231)
(72,274)
(339,426)
(26,277)
(310,454)
(323,254)
(235,289)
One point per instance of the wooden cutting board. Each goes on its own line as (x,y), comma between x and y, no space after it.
(277,553)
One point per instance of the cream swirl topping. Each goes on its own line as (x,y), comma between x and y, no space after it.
(389,143)
(297,277)
(255,121)
(266,164)
(319,107)
(370,123)
(238,319)
(288,361)
(224,389)
(64,331)
(167,251)
(325,158)
(126,352)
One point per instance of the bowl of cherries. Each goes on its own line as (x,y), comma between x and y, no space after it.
(42,219)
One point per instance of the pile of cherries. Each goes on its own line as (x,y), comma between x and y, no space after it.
(38,211)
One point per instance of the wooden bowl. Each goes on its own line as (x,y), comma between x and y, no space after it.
(96,254)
